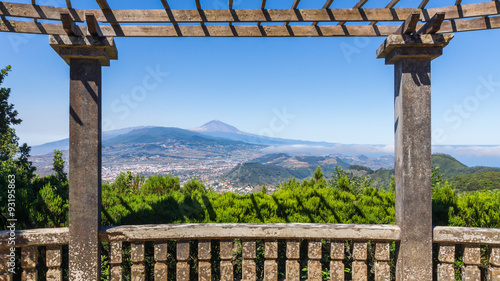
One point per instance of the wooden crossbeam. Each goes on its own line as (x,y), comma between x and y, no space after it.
(423,4)
(389,6)
(69,25)
(458,2)
(243,15)
(327,5)
(410,24)
(198,5)
(262,7)
(93,26)
(171,16)
(247,31)
(433,25)
(68,4)
(103,4)
(358,5)
(294,7)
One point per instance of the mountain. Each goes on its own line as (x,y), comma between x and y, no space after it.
(219,129)
(64,144)
(273,169)
(216,126)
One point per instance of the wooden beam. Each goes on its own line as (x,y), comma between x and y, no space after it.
(458,2)
(247,31)
(389,6)
(327,5)
(198,5)
(294,7)
(243,15)
(433,25)
(410,25)
(231,4)
(93,26)
(68,4)
(423,4)
(69,26)
(262,7)
(103,4)
(358,5)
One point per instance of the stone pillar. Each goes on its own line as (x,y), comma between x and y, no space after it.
(85,56)
(411,56)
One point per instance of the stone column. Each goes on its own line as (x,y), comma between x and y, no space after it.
(411,56)
(85,56)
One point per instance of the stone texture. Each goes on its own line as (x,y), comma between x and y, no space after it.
(182,250)
(359,271)
(249,249)
(137,252)
(446,253)
(249,270)
(293,249)
(204,271)
(115,272)
(314,249)
(472,254)
(337,270)
(360,251)
(314,270)
(53,261)
(6,277)
(137,272)
(182,271)
(494,274)
(270,270)
(337,251)
(226,249)
(161,252)
(29,259)
(292,270)
(161,271)
(411,56)
(271,249)
(226,270)
(471,273)
(495,256)
(204,250)
(382,251)
(445,272)
(85,169)
(382,271)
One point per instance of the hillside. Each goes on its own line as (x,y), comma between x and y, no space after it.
(272,169)
(468,178)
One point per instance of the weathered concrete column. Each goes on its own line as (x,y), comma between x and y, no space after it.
(85,56)
(411,56)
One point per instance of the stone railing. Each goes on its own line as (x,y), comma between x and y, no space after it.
(317,237)
(473,251)
(51,239)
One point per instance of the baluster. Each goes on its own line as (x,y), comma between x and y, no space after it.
(270,265)
(204,256)
(314,264)
(161,255)
(494,270)
(115,261)
(182,260)
(382,258)
(248,265)
(359,268)
(5,259)
(138,272)
(53,259)
(292,263)
(446,257)
(336,264)
(29,258)
(472,258)
(226,266)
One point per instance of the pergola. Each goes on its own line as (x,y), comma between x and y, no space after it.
(415,36)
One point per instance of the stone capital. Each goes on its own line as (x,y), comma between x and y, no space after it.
(397,47)
(84,47)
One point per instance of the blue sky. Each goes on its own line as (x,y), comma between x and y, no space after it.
(328,89)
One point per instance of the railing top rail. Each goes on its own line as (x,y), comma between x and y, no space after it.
(251,231)
(466,235)
(35,237)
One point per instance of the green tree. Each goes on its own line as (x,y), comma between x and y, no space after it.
(8,118)
(58,166)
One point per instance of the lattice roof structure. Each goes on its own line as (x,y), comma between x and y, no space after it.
(230,22)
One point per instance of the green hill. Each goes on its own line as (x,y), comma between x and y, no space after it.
(457,173)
